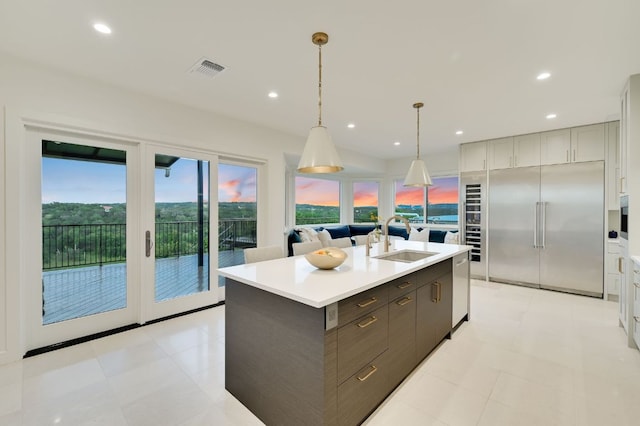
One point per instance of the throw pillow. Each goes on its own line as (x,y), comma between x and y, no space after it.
(308,235)
(324,236)
(451,237)
(416,235)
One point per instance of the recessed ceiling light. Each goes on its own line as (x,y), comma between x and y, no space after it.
(351,125)
(550,116)
(273,95)
(459,132)
(102,28)
(396,143)
(543,76)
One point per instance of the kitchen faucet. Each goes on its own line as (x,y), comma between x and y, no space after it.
(368,243)
(386,229)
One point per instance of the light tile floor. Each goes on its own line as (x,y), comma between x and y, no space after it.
(528,357)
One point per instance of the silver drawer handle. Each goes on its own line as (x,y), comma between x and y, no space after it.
(635,284)
(367,303)
(636,318)
(373,370)
(367,322)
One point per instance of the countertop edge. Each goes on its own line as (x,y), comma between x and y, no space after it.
(375,281)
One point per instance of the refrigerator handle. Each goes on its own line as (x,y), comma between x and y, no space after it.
(544,223)
(535,225)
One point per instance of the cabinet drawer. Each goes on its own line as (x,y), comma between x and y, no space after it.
(362,340)
(362,303)
(403,285)
(427,276)
(362,392)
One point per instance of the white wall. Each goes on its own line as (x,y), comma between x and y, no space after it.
(29,90)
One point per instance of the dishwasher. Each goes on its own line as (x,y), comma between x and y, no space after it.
(460,309)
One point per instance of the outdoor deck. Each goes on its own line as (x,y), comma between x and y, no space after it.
(77,292)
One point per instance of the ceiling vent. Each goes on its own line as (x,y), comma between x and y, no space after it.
(207,67)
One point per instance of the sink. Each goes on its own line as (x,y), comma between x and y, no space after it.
(406,256)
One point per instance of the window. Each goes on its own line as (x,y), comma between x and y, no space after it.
(317,201)
(409,202)
(441,201)
(365,201)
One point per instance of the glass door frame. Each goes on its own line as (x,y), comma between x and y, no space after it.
(39,335)
(150,309)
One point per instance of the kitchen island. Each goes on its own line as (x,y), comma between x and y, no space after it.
(325,347)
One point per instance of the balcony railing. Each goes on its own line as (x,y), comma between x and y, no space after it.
(68,246)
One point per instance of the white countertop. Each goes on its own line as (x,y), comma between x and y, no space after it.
(296,279)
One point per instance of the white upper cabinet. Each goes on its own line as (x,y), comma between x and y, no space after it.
(473,156)
(587,143)
(500,153)
(555,147)
(517,151)
(526,150)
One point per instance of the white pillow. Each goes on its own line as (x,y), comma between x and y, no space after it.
(416,235)
(308,235)
(451,238)
(324,236)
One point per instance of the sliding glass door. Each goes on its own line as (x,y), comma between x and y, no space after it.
(180,250)
(82,239)
(123,233)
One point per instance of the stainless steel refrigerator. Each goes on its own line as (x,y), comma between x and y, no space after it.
(546,227)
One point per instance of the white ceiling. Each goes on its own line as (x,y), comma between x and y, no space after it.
(473,63)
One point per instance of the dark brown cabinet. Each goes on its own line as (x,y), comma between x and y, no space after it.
(402,332)
(288,366)
(362,340)
(433,313)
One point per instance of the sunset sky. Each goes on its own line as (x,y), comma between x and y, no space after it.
(365,194)
(327,192)
(91,182)
(319,192)
(72,181)
(236,183)
(443,191)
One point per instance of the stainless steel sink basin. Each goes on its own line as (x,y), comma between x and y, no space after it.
(406,256)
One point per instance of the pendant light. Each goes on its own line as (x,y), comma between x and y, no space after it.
(319,155)
(418,174)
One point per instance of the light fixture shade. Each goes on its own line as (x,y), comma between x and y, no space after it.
(319,155)
(418,174)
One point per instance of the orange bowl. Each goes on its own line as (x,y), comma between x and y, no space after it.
(326,258)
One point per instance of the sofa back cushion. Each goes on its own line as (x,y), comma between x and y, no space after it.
(398,231)
(361,229)
(339,231)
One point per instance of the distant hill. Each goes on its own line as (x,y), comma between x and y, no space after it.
(94,214)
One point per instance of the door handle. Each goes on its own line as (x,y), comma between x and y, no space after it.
(148,244)
(535,225)
(620,264)
(438,296)
(543,234)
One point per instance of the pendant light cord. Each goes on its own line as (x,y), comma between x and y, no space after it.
(418,132)
(319,85)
